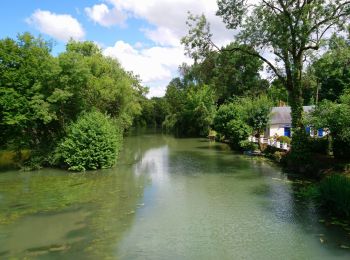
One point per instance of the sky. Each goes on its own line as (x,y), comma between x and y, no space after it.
(144,35)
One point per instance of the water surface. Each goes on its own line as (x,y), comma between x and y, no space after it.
(166,199)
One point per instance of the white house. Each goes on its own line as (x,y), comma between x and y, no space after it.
(281,122)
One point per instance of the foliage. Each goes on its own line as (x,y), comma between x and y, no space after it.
(92,142)
(290,29)
(258,111)
(277,93)
(319,145)
(191,109)
(332,70)
(231,74)
(284,139)
(248,146)
(154,112)
(242,118)
(230,122)
(41,94)
(336,118)
(224,115)
(334,194)
(237,131)
(27,78)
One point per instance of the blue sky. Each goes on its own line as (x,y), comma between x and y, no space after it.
(143,35)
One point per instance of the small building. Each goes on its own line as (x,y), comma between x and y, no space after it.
(281,123)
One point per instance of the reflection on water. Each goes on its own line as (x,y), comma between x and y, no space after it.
(167,199)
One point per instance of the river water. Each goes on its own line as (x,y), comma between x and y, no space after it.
(167,198)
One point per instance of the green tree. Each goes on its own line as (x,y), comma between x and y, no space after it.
(243,117)
(230,122)
(332,70)
(290,29)
(229,73)
(40,94)
(191,109)
(336,118)
(28,74)
(257,114)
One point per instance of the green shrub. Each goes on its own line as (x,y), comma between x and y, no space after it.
(92,142)
(237,131)
(284,139)
(335,194)
(248,146)
(319,145)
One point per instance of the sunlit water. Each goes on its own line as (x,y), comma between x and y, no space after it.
(166,199)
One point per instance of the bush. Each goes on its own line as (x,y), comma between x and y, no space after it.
(248,146)
(335,194)
(284,139)
(319,145)
(237,131)
(92,142)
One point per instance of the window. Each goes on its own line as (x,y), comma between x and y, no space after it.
(320,132)
(287,131)
(308,130)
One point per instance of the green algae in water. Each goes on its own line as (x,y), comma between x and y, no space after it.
(166,199)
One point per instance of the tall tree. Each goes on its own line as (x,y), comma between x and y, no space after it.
(288,29)
(332,70)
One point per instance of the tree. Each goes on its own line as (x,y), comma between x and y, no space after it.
(251,116)
(289,29)
(332,70)
(40,94)
(336,118)
(28,74)
(230,122)
(229,73)
(258,114)
(191,108)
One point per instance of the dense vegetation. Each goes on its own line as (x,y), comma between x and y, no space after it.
(41,96)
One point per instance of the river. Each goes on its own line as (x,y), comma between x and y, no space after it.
(167,198)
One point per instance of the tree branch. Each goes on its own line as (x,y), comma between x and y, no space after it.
(255,54)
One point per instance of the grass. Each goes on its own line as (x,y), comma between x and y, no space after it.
(334,194)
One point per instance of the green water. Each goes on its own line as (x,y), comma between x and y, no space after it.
(167,199)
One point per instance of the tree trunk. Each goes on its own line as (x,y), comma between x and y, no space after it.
(300,152)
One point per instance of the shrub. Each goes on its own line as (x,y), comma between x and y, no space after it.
(237,131)
(335,194)
(248,146)
(92,142)
(284,139)
(319,145)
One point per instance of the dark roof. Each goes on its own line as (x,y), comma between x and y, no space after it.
(282,115)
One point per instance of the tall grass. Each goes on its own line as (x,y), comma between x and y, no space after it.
(334,193)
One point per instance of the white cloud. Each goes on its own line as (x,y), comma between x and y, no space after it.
(169,18)
(104,16)
(59,26)
(155,66)
(166,20)
(162,36)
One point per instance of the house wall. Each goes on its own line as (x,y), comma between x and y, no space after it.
(279,130)
(276,129)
